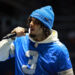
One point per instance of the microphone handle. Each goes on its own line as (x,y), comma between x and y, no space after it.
(9,36)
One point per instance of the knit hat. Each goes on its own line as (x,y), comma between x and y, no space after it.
(45,15)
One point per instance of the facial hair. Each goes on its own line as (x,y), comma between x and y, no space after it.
(32,35)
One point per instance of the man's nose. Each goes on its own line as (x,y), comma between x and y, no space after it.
(31,24)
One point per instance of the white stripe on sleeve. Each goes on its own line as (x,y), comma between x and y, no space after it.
(66,72)
(4,49)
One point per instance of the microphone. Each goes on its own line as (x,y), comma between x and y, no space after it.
(11,35)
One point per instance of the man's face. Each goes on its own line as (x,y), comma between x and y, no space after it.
(35,28)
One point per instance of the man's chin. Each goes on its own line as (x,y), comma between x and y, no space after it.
(32,35)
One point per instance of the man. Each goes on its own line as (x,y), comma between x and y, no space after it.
(39,52)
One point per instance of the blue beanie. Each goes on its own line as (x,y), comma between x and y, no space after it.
(45,15)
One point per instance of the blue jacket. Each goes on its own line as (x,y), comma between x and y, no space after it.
(40,59)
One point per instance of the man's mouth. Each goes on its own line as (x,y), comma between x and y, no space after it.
(31,29)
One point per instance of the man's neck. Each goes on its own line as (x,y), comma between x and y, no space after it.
(39,37)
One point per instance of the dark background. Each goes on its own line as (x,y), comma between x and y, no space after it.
(14,13)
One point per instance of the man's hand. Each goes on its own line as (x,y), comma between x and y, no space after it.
(20,31)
